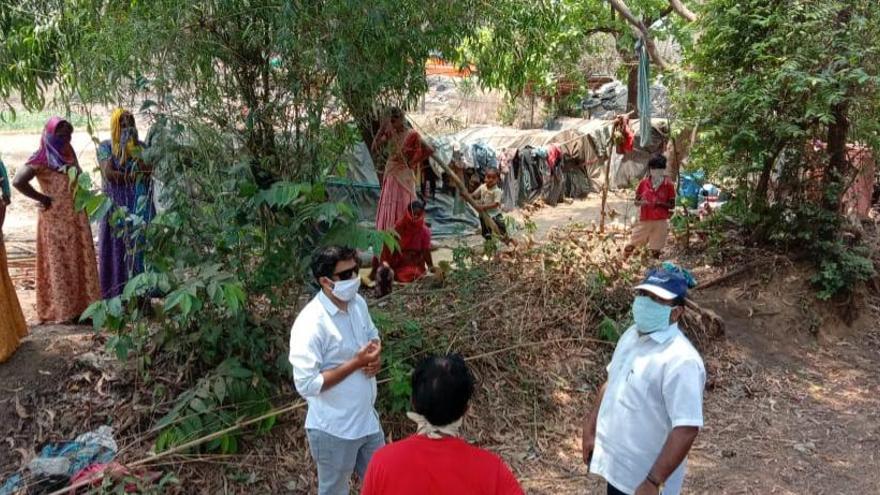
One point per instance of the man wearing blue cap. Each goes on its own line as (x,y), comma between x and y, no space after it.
(650,409)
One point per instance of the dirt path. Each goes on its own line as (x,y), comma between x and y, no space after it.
(790,414)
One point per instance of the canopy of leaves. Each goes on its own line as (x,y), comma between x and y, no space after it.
(778,89)
(766,75)
(525,42)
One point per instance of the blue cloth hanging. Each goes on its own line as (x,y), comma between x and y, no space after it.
(644,97)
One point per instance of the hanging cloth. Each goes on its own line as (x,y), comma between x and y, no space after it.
(644,100)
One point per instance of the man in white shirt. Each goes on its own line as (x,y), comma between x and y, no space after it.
(650,410)
(334,351)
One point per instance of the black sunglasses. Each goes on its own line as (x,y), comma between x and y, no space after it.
(346,274)
(655,298)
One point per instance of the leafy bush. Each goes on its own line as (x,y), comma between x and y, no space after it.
(609,330)
(404,343)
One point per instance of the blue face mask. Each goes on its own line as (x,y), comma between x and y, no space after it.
(650,316)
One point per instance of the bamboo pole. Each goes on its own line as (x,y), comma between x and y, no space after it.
(618,121)
(456,180)
(607,173)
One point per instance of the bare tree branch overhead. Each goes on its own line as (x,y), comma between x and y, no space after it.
(681,9)
(642,31)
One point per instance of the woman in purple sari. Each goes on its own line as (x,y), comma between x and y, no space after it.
(128,184)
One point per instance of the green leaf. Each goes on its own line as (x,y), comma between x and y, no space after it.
(235,297)
(220,389)
(198,405)
(97,312)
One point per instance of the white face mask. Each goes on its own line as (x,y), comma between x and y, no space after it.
(658,173)
(345,290)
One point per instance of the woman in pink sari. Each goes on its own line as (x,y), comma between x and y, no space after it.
(406,153)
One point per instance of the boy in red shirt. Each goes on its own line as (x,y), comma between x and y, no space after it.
(435,461)
(655,197)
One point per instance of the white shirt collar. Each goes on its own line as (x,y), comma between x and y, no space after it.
(329,306)
(661,336)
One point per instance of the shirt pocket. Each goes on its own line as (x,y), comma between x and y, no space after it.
(635,392)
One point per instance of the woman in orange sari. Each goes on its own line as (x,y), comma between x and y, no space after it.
(67,271)
(12,325)
(406,153)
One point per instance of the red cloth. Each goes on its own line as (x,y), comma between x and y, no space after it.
(857,199)
(627,136)
(408,262)
(553,156)
(662,195)
(415,150)
(447,466)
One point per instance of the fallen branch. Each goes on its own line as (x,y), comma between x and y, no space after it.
(293,407)
(730,275)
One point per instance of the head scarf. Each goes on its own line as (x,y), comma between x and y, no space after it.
(424,427)
(55,153)
(116,136)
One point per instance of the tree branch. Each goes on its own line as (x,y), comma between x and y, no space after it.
(608,30)
(641,31)
(682,10)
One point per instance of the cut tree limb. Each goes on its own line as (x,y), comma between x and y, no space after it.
(682,10)
(642,31)
(467,197)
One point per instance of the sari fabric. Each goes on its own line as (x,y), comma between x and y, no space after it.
(120,248)
(55,153)
(399,182)
(408,262)
(67,273)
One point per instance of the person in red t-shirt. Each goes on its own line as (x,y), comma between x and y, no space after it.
(655,197)
(435,461)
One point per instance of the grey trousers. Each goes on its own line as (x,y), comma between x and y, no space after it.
(336,458)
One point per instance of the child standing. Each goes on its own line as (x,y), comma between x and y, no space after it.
(655,197)
(488,197)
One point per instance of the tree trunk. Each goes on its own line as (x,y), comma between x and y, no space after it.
(837,132)
(837,156)
(632,90)
(680,149)
(763,183)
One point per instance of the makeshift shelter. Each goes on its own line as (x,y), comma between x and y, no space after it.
(549,165)
(360,187)
(582,143)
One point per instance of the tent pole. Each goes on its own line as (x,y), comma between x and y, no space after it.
(605,189)
(608,151)
(532,111)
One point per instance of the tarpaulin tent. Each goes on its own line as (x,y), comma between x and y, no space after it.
(360,187)
(584,140)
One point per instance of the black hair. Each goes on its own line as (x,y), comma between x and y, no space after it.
(395,113)
(657,161)
(325,259)
(442,386)
(493,170)
(416,205)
